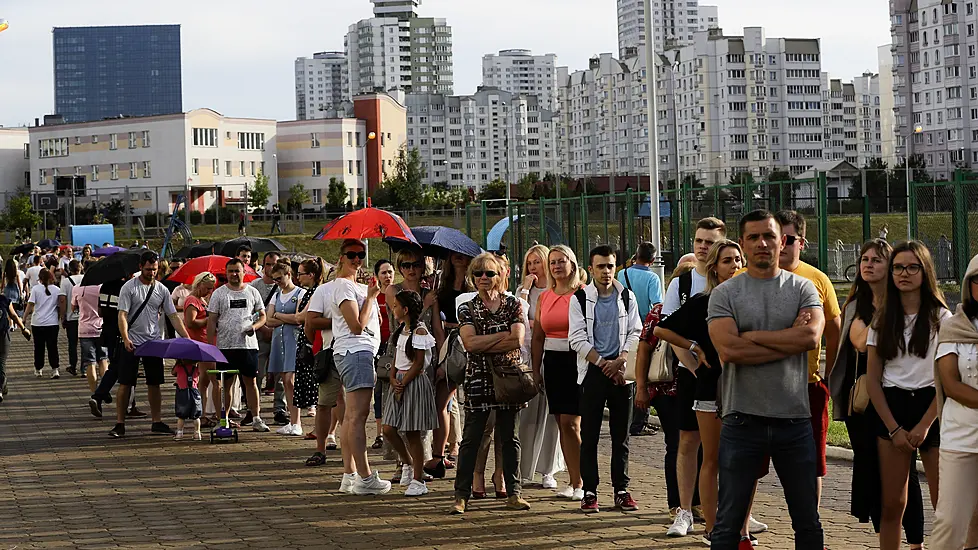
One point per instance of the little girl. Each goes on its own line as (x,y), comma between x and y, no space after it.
(187,408)
(409,407)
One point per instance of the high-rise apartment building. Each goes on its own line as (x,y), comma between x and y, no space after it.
(852,130)
(322,86)
(521,72)
(934,72)
(102,72)
(472,140)
(398,50)
(674,22)
(887,115)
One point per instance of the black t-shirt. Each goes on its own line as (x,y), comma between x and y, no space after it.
(689,321)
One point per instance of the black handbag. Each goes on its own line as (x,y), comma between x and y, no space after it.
(456,359)
(187,404)
(324,366)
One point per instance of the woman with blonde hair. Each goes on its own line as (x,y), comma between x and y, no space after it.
(195,319)
(555,364)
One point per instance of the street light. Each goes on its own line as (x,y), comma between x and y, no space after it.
(909,145)
(370,137)
(650,76)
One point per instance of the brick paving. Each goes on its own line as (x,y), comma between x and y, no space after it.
(65,484)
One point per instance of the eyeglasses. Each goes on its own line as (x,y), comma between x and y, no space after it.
(490,274)
(277,279)
(412,265)
(910,269)
(301,273)
(353,255)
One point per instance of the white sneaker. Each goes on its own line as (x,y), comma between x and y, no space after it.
(346,486)
(258,425)
(55,374)
(371,485)
(754,526)
(407,475)
(285,430)
(39,373)
(567,492)
(682,525)
(178,435)
(296,430)
(416,488)
(549,482)
(578,494)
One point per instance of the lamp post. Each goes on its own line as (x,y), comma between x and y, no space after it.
(657,265)
(364,168)
(909,146)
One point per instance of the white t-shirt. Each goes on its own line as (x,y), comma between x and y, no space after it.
(959,423)
(907,371)
(421,344)
(66,290)
(671,302)
(319,303)
(235,310)
(344,341)
(45,306)
(34,274)
(63,263)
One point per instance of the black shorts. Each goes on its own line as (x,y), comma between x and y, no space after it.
(128,368)
(245,361)
(560,382)
(907,408)
(685,395)
(707,382)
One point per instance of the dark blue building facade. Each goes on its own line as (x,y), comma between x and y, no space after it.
(102,72)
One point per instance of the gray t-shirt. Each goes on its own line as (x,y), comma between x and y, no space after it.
(146,327)
(235,310)
(606,326)
(778,389)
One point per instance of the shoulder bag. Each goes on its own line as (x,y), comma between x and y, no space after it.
(384,362)
(859,394)
(455,359)
(187,404)
(324,365)
(513,383)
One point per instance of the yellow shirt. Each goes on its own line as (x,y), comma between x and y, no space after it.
(830,307)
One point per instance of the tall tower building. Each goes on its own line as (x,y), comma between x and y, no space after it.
(521,72)
(102,72)
(675,23)
(398,50)
(322,85)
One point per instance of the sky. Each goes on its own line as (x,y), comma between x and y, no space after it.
(238,55)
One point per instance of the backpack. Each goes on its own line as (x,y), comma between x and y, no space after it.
(685,287)
(626,296)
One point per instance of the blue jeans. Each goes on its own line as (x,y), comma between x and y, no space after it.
(745,443)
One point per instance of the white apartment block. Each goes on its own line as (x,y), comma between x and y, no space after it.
(397,50)
(157,158)
(887,115)
(521,72)
(322,85)
(934,68)
(472,140)
(675,21)
(15,164)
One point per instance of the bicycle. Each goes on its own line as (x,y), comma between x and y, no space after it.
(851,272)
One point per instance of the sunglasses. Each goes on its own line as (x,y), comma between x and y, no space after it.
(412,265)
(480,273)
(277,279)
(789,240)
(354,255)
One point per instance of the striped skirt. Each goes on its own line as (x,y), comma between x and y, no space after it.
(415,409)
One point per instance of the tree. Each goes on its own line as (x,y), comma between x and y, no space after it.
(878,180)
(20,213)
(785,193)
(298,196)
(526,187)
(406,179)
(337,195)
(258,192)
(496,189)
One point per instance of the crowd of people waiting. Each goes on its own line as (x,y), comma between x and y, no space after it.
(744,322)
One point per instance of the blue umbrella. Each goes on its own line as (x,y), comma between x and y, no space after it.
(440,242)
(181,348)
(48,243)
(107,250)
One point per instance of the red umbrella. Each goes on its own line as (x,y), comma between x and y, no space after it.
(367,223)
(213,264)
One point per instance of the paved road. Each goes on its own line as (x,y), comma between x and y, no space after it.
(65,484)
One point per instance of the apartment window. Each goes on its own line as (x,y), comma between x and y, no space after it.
(349,167)
(349,139)
(146,170)
(132,168)
(314,138)
(317,168)
(95,172)
(57,147)
(43,175)
(241,168)
(113,142)
(317,196)
(216,167)
(227,168)
(358,167)
(205,137)
(94,139)
(132,140)
(253,172)
(145,138)
(251,141)
(195,166)
(115,170)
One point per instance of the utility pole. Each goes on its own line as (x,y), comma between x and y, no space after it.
(657,265)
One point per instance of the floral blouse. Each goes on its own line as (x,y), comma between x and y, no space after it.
(479,391)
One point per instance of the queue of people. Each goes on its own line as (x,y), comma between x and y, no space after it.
(431,359)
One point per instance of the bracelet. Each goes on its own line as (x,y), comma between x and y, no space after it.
(894,432)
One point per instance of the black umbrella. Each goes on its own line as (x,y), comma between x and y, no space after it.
(198,250)
(22,249)
(120,265)
(49,243)
(258,245)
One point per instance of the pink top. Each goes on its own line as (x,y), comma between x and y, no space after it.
(198,334)
(85,298)
(182,379)
(553,314)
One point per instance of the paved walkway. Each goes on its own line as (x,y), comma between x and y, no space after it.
(65,484)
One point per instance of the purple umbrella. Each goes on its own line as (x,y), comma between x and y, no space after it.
(107,250)
(181,348)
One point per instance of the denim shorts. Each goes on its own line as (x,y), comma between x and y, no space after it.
(705,406)
(92,351)
(356,370)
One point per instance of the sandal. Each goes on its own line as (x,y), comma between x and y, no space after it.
(438,472)
(378,443)
(450,461)
(317,459)
(207,422)
(330,444)
(310,436)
